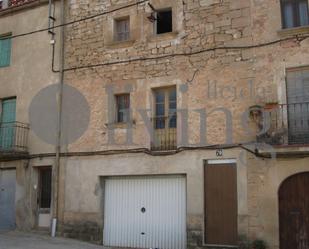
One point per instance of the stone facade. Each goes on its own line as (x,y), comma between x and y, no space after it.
(216,59)
(217,56)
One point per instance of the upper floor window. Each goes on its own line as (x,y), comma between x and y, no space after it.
(122,108)
(164,21)
(122,29)
(5,51)
(294,13)
(165,119)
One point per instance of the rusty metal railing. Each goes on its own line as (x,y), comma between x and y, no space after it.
(14,137)
(165,134)
(288,124)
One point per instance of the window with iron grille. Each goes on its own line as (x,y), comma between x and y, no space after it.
(294,13)
(122,29)
(45,177)
(164,21)
(298,105)
(122,108)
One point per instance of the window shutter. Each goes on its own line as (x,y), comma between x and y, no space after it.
(5,52)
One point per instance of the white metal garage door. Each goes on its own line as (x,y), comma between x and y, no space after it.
(145,212)
(7,199)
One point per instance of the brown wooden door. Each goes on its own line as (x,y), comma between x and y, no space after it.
(294,212)
(221,204)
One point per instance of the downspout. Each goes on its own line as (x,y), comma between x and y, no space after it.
(59,111)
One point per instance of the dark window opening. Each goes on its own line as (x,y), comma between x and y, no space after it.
(164,21)
(45,187)
(294,13)
(123,108)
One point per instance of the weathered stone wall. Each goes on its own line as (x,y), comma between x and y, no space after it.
(265,177)
(198,25)
(232,78)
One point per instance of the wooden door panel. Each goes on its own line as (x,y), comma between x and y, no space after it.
(221,204)
(294,212)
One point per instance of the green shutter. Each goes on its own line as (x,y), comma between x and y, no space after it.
(5,52)
(7,124)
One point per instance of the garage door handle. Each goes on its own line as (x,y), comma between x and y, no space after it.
(142,233)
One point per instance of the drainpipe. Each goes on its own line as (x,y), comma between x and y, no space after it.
(59,111)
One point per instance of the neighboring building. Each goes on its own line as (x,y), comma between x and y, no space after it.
(184,185)
(25,69)
(148,194)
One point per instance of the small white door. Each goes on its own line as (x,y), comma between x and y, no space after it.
(7,199)
(145,212)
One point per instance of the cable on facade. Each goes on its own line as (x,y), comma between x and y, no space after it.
(299,38)
(75,21)
(147,151)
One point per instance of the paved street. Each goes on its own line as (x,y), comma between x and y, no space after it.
(19,240)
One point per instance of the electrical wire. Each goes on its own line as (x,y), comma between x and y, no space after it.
(72,22)
(138,59)
(299,38)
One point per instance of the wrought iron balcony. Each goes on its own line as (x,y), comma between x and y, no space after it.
(165,134)
(13,138)
(287,124)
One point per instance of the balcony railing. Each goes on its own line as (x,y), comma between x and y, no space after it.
(165,134)
(13,138)
(12,3)
(288,124)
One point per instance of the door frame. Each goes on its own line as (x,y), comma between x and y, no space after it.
(278,199)
(11,169)
(107,177)
(38,193)
(227,161)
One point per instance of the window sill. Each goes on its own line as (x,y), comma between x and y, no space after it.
(120,44)
(120,125)
(4,66)
(293,31)
(163,37)
(44,210)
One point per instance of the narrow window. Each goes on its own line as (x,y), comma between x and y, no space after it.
(8,124)
(298,105)
(45,183)
(294,13)
(165,120)
(123,108)
(164,23)
(5,51)
(122,29)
